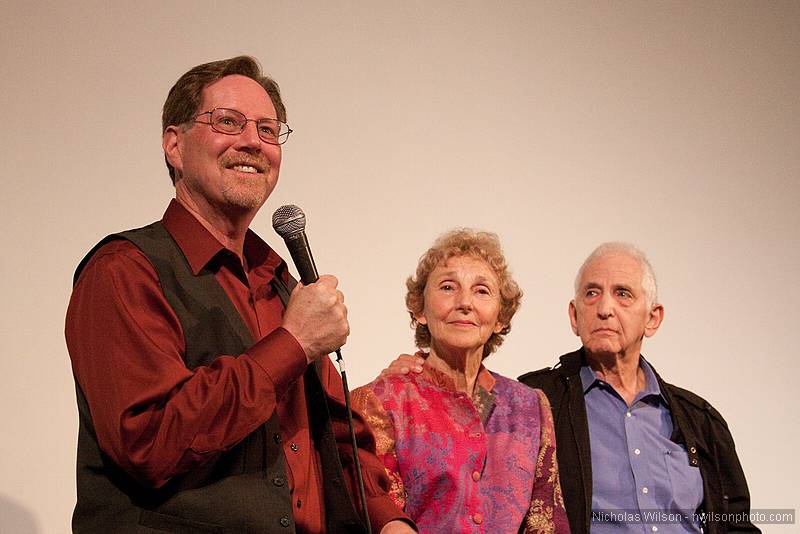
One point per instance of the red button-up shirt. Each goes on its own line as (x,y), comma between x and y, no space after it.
(155,417)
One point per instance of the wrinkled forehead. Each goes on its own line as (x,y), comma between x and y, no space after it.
(613,269)
(465,264)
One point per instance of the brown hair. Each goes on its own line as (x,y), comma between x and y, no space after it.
(464,242)
(184,99)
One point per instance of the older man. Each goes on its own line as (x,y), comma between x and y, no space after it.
(206,400)
(636,454)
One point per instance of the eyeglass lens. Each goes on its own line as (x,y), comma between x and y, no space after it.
(230,121)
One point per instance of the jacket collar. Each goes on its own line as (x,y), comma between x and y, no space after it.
(571,363)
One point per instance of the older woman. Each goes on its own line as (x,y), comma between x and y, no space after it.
(467,450)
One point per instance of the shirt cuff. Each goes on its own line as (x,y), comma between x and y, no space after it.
(281,357)
(382,510)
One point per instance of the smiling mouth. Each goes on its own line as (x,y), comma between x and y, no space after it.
(248,169)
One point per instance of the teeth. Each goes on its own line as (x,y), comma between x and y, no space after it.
(245,168)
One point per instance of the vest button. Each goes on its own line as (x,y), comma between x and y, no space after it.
(285,522)
(294,447)
(277,437)
(278,481)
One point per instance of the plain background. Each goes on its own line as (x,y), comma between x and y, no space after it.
(558,125)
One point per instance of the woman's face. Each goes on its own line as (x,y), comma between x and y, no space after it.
(462,302)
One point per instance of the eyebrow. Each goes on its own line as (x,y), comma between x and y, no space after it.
(485,280)
(614,287)
(448,274)
(237,110)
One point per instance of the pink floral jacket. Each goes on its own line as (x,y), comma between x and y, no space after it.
(480,465)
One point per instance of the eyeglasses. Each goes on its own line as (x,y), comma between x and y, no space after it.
(232,122)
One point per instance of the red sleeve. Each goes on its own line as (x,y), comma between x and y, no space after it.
(153,416)
(380,505)
(370,406)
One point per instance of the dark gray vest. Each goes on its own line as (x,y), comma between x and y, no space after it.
(243,490)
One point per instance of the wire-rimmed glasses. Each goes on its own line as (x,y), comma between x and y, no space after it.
(232,122)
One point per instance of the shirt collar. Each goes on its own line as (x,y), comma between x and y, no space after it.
(652,387)
(484,381)
(199,246)
(590,379)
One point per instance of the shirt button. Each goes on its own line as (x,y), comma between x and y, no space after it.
(476,476)
(294,447)
(637,452)
(285,522)
(627,414)
(645,490)
(478,518)
(654,528)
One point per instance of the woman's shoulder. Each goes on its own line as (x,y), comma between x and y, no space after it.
(395,384)
(517,392)
(511,387)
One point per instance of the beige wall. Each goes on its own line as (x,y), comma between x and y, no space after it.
(674,125)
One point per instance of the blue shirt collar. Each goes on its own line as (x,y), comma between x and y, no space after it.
(590,379)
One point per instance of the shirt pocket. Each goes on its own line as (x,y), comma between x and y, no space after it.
(684,480)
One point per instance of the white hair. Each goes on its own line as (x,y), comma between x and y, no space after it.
(632,251)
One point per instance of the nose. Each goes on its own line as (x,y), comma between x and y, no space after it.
(249,138)
(605,306)
(464,300)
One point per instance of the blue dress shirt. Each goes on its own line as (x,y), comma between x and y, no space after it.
(641,480)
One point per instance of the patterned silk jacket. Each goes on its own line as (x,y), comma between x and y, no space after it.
(480,465)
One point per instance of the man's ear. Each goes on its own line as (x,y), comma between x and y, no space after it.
(171,142)
(654,319)
(573,317)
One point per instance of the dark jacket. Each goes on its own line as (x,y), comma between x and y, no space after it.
(697,426)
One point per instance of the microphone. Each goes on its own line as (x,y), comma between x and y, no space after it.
(290,223)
